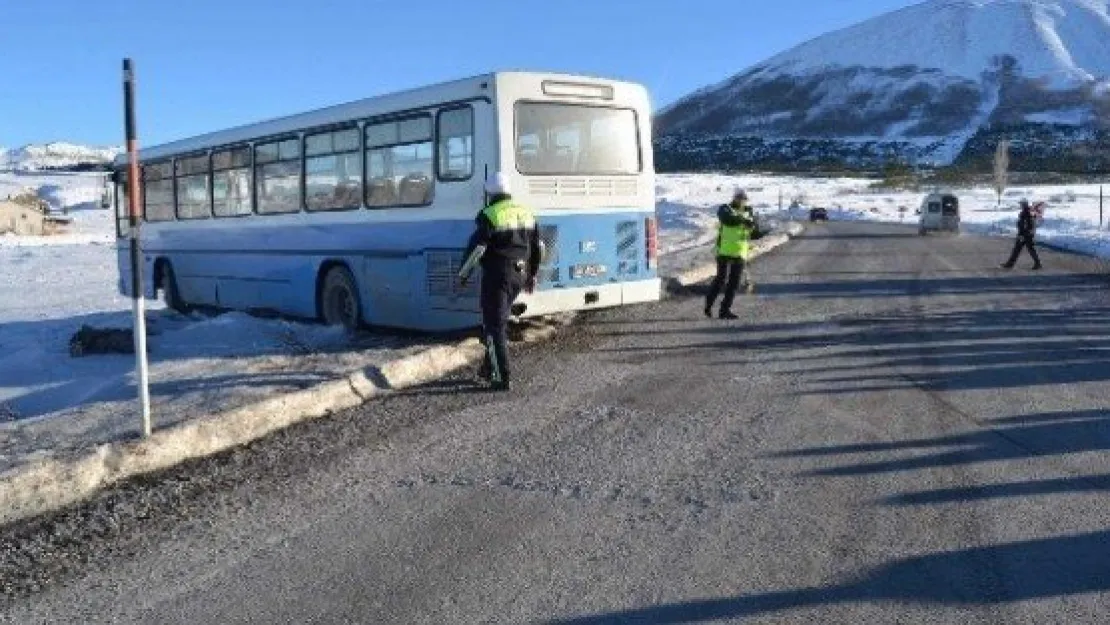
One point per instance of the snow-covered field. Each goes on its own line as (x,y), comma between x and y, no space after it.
(49,286)
(687,204)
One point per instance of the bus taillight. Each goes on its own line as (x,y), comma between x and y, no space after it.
(651,236)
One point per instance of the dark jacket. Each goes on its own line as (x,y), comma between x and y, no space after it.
(729,216)
(505,246)
(1027,224)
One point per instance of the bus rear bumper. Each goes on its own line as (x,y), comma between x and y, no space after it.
(587,298)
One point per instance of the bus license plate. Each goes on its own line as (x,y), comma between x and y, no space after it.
(588,271)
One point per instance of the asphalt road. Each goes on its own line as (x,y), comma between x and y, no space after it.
(895,431)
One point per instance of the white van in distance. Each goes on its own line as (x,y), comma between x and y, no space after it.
(940,212)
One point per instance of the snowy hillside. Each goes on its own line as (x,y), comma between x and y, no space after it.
(930,76)
(55,156)
(1061,40)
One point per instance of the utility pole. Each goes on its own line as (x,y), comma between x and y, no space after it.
(137,303)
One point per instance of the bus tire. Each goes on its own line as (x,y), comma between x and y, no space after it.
(339,301)
(167,281)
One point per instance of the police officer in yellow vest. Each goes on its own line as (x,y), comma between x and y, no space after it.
(737,228)
(507,244)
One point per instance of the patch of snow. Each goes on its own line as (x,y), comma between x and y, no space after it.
(1069,117)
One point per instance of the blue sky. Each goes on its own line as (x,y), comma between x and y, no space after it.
(204,65)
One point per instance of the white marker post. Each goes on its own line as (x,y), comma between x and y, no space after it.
(134,188)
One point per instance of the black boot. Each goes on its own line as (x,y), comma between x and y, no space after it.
(727,314)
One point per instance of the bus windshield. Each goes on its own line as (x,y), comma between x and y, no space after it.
(576,140)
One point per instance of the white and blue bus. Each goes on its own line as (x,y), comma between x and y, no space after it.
(359,213)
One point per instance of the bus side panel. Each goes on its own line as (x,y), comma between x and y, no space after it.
(386,289)
(123,264)
(196,278)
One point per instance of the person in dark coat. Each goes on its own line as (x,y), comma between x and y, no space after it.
(1027,232)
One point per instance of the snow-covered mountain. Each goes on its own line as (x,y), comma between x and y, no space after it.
(928,77)
(56,155)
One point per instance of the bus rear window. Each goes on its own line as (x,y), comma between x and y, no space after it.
(576,140)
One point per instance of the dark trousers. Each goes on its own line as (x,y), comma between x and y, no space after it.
(1026,243)
(729,271)
(502,282)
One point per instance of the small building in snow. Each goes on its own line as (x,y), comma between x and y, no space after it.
(21,219)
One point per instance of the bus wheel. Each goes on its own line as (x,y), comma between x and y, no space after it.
(170,295)
(339,303)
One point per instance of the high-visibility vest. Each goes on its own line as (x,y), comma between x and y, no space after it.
(734,241)
(508,215)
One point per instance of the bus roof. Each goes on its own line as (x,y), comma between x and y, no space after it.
(420,97)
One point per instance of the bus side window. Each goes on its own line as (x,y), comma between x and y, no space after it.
(399,163)
(455,136)
(333,181)
(277,176)
(158,200)
(231,182)
(193,199)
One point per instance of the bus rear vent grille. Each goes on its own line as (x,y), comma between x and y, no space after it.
(550,237)
(442,276)
(549,268)
(628,238)
(583,187)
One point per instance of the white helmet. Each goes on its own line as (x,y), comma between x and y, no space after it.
(498,184)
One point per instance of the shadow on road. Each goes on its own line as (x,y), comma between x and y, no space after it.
(1016,283)
(998,574)
(965,350)
(1051,434)
(936,351)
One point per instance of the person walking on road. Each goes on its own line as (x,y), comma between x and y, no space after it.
(1027,231)
(506,243)
(736,229)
